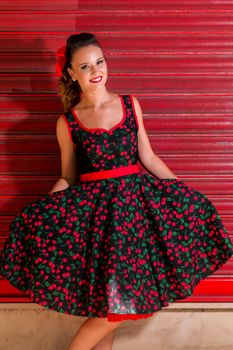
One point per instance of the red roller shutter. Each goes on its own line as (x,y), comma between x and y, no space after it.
(175,56)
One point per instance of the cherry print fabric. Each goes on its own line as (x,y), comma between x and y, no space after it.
(121,247)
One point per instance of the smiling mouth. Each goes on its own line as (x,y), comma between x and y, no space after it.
(96,80)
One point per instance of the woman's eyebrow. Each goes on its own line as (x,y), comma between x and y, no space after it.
(87,62)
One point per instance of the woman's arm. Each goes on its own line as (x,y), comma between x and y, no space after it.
(147,156)
(69,171)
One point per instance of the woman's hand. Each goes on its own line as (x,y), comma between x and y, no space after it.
(60,185)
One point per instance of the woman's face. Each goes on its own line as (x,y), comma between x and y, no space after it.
(87,63)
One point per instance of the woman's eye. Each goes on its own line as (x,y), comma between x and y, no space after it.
(100,61)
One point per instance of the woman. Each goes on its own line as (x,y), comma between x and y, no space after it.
(110,243)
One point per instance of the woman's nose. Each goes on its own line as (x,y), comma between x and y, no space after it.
(94,70)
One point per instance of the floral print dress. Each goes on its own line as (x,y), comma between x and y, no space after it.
(119,243)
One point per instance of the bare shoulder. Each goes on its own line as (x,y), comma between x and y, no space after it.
(69,164)
(62,131)
(61,119)
(61,125)
(137,104)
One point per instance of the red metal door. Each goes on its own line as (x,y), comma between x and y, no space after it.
(176,57)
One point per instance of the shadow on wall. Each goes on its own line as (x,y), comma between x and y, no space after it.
(30,105)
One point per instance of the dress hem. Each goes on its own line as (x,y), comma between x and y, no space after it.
(113,317)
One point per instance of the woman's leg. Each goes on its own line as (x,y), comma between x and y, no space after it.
(91,332)
(106,342)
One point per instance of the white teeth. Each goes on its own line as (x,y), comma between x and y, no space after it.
(97,79)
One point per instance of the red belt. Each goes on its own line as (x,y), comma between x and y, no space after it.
(105,174)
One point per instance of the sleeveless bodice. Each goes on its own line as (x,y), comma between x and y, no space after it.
(100,149)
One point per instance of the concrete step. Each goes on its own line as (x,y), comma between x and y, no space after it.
(179,326)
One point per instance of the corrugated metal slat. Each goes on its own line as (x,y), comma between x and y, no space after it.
(176,57)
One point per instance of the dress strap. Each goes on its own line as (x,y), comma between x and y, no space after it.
(128,99)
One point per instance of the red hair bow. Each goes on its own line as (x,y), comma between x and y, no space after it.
(60,56)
